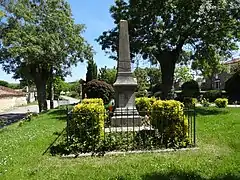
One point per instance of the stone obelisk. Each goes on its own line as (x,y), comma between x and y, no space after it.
(125,85)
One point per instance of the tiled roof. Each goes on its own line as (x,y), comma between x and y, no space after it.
(8,92)
(233,61)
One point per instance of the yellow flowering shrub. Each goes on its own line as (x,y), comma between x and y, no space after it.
(86,126)
(98,101)
(144,105)
(169,119)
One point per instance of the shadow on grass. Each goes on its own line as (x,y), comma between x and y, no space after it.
(10,118)
(176,175)
(205,111)
(60,114)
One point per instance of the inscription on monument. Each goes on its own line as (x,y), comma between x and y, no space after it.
(122,100)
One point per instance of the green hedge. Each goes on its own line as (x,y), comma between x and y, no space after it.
(212,95)
(168,117)
(144,105)
(221,102)
(86,127)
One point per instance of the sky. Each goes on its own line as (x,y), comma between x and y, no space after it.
(96,17)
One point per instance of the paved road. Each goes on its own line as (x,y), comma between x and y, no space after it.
(18,113)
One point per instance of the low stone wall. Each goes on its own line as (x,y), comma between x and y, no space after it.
(10,102)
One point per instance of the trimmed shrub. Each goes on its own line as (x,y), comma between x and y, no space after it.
(190,89)
(144,105)
(190,102)
(99,89)
(221,102)
(212,95)
(98,101)
(169,119)
(86,127)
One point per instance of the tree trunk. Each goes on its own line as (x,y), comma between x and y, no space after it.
(167,62)
(51,91)
(40,75)
(41,95)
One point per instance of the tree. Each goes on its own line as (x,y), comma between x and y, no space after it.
(99,89)
(4,83)
(108,75)
(182,74)
(154,78)
(91,71)
(209,62)
(160,30)
(41,39)
(142,79)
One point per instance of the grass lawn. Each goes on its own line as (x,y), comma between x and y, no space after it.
(218,137)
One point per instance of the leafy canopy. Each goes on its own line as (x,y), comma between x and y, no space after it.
(108,75)
(158,26)
(41,34)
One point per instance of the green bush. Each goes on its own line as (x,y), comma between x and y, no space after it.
(86,127)
(168,117)
(144,105)
(73,94)
(190,89)
(99,89)
(212,95)
(190,102)
(221,102)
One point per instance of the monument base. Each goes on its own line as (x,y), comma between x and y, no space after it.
(125,117)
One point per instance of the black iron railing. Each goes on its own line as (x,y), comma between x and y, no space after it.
(125,130)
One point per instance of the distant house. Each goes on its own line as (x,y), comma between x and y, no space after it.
(218,81)
(10,98)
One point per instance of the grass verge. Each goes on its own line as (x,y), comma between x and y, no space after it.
(218,137)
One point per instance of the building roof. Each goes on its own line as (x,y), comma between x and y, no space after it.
(8,92)
(233,61)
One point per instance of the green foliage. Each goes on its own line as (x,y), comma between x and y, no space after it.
(99,89)
(74,94)
(221,102)
(168,117)
(141,94)
(148,79)
(182,74)
(144,105)
(91,71)
(212,95)
(189,102)
(177,24)
(232,87)
(4,83)
(39,36)
(85,128)
(208,61)
(190,89)
(108,75)
(141,75)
